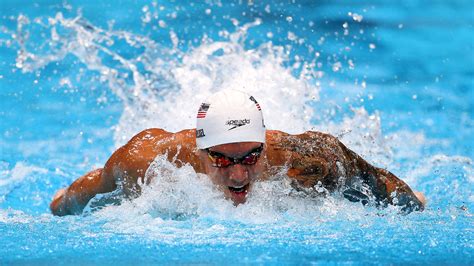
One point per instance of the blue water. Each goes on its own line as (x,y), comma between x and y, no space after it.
(393,79)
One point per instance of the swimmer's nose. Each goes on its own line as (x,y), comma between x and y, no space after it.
(238,174)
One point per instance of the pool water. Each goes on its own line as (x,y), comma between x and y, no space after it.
(393,80)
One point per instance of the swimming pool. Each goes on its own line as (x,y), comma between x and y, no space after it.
(393,81)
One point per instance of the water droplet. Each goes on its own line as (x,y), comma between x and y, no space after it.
(267,9)
(291,36)
(146,18)
(321,40)
(372,46)
(289,19)
(356,17)
(235,22)
(65,82)
(351,64)
(174,39)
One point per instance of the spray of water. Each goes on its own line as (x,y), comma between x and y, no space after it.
(161,87)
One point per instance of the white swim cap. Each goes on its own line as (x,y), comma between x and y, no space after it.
(229,116)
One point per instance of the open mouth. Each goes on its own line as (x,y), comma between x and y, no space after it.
(240,189)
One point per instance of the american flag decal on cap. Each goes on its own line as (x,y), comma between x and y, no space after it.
(256,103)
(203,110)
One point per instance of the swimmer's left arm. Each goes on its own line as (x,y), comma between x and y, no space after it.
(388,188)
(315,157)
(385,186)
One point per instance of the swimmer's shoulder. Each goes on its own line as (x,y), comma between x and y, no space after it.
(157,134)
(310,145)
(140,150)
(157,137)
(302,156)
(149,134)
(179,147)
(131,161)
(276,136)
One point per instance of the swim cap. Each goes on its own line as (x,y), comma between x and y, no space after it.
(229,116)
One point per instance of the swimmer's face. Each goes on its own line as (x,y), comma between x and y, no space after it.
(234,180)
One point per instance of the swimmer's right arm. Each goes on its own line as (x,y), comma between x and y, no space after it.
(127,166)
(72,200)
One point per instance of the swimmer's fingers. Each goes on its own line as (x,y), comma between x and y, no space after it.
(421,197)
(59,193)
(56,203)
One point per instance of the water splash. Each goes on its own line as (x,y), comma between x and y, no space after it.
(12,178)
(161,87)
(158,90)
(180,194)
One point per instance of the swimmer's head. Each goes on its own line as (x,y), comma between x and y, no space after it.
(230,134)
(229,116)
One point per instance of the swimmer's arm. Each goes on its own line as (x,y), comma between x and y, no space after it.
(122,167)
(314,157)
(397,192)
(385,186)
(127,166)
(72,200)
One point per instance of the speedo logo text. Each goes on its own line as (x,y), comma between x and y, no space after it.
(237,123)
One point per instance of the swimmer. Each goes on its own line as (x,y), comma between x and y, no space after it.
(233,148)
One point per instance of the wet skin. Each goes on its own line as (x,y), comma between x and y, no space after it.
(308,159)
(235,181)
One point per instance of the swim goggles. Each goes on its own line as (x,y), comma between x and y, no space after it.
(221,161)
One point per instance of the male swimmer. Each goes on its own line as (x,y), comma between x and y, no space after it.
(233,148)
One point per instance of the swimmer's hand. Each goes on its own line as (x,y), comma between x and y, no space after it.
(56,205)
(421,197)
(73,199)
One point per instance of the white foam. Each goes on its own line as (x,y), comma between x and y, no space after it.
(14,216)
(176,194)
(222,65)
(169,94)
(449,179)
(362,133)
(163,87)
(11,178)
